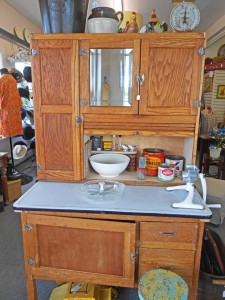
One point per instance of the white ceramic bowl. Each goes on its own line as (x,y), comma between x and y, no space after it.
(102,25)
(109,165)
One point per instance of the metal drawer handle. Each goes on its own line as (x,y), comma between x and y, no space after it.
(167,233)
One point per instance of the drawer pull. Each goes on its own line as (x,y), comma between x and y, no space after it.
(167,233)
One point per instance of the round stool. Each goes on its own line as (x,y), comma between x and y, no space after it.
(162,284)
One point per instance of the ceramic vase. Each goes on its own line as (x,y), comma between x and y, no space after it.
(63,16)
(214,153)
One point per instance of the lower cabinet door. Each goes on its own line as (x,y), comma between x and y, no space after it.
(180,262)
(73,249)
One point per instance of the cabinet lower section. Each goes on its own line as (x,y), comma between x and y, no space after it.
(109,249)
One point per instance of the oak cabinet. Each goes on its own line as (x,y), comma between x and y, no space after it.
(164,69)
(55,82)
(109,249)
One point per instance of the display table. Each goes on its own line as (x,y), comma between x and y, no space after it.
(67,237)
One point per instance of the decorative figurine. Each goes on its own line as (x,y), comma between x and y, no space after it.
(154,24)
(131,26)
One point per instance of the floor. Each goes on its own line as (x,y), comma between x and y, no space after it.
(207,291)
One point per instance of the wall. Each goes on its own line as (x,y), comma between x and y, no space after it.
(9,18)
(212,50)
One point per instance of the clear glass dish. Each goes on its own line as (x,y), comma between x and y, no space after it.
(103,190)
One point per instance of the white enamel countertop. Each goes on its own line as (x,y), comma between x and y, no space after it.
(140,200)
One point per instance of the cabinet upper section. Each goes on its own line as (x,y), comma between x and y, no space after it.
(142,74)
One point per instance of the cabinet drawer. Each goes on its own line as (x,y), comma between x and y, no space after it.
(175,234)
(180,262)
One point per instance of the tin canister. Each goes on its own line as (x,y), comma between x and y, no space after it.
(154,157)
(166,172)
(177,161)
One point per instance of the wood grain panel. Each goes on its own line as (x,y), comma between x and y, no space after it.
(56,66)
(169,79)
(58,132)
(102,257)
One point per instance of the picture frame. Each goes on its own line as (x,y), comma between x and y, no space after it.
(221,92)
(207,84)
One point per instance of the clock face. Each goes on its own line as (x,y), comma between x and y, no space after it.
(184,17)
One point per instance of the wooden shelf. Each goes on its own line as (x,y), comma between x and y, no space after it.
(13,39)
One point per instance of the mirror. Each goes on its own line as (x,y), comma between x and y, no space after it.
(111,77)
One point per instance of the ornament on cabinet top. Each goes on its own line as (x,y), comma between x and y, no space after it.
(185,17)
(154,24)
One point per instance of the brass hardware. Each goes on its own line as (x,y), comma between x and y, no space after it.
(28,227)
(31,261)
(197,103)
(201,51)
(83,52)
(33,52)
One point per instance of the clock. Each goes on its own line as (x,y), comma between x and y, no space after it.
(184,17)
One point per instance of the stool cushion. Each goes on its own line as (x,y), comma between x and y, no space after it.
(162,284)
(215,195)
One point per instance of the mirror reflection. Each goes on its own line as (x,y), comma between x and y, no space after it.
(111,77)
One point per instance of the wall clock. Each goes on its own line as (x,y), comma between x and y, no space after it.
(26,35)
(184,17)
(18,32)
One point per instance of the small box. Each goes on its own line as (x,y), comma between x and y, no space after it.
(14,189)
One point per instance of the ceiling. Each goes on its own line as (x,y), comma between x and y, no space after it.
(210,10)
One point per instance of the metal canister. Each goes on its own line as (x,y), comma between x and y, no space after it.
(132,166)
(166,172)
(154,157)
(177,161)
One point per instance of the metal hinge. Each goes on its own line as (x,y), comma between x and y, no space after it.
(33,52)
(197,103)
(133,257)
(201,51)
(39,167)
(79,120)
(28,227)
(31,261)
(83,102)
(83,52)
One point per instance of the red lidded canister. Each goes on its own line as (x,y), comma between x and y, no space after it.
(154,157)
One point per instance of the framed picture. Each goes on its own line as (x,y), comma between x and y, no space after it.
(221,92)
(207,84)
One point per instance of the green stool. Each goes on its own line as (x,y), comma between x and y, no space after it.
(162,284)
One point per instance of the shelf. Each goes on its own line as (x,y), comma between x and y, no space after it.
(13,39)
(113,152)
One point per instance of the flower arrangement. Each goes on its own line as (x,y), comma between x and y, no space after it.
(219,142)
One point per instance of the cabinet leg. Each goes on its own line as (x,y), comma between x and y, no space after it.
(31,289)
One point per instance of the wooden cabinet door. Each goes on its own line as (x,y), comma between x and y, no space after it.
(56,105)
(115,72)
(172,69)
(73,249)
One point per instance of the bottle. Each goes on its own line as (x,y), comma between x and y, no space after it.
(120,148)
(114,146)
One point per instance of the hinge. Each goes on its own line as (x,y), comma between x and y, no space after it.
(31,261)
(83,52)
(197,103)
(83,102)
(39,167)
(133,257)
(33,52)
(79,120)
(201,51)
(28,227)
